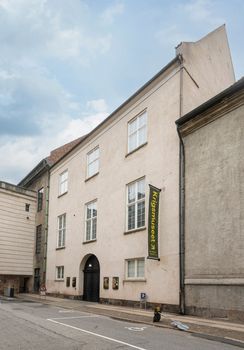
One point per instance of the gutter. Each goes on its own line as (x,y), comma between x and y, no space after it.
(181,202)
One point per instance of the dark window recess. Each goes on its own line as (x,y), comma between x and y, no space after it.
(74,282)
(27,207)
(67,281)
(40,199)
(38,239)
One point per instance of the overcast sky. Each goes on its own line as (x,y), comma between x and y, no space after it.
(66,65)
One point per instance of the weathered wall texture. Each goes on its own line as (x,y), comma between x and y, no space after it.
(215,216)
(208,68)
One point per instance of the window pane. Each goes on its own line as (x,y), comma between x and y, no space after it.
(131,217)
(132,142)
(131,268)
(142,135)
(141,189)
(141,214)
(132,126)
(89,212)
(88,230)
(142,120)
(94,211)
(140,268)
(131,193)
(94,228)
(59,222)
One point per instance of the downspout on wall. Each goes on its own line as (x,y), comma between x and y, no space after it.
(46,228)
(181,202)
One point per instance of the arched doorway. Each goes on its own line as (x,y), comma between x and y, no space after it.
(91,279)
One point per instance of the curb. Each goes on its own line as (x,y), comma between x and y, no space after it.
(129,318)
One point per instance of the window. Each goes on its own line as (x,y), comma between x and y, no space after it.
(63,182)
(27,207)
(61,231)
(91,221)
(59,272)
(38,239)
(67,281)
(93,162)
(136,205)
(135,268)
(137,132)
(40,199)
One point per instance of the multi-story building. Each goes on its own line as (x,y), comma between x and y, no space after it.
(213,141)
(100,233)
(17,225)
(38,180)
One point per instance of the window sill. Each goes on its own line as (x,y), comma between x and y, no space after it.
(59,280)
(135,280)
(135,230)
(91,177)
(91,241)
(60,248)
(136,149)
(62,194)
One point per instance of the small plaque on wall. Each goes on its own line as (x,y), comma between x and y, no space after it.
(115,282)
(105,282)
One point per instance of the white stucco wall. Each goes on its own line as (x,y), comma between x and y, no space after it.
(158,161)
(17,231)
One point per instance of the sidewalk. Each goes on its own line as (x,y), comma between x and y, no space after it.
(213,329)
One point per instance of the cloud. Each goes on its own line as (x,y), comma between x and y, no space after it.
(111,12)
(18,155)
(202,11)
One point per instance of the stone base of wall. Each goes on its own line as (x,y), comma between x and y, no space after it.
(65,296)
(8,281)
(232,315)
(221,301)
(132,303)
(121,302)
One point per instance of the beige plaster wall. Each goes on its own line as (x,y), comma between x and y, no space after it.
(158,162)
(17,232)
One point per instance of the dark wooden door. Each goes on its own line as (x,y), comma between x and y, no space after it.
(91,279)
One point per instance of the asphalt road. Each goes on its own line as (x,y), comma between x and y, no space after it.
(36,326)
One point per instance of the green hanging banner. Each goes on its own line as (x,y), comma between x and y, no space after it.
(153,212)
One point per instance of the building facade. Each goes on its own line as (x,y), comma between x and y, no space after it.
(38,181)
(99,191)
(213,140)
(17,224)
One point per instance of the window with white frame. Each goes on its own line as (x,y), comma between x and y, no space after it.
(91,221)
(59,272)
(137,132)
(93,162)
(135,268)
(63,182)
(61,231)
(136,204)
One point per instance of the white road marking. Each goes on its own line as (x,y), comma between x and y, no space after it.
(97,335)
(66,311)
(136,329)
(72,317)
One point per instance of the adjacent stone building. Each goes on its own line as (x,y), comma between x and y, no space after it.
(38,180)
(17,224)
(99,191)
(213,231)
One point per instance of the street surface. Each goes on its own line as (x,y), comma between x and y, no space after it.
(36,326)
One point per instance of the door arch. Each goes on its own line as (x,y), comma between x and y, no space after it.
(91,279)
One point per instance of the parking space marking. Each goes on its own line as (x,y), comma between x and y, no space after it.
(73,317)
(96,335)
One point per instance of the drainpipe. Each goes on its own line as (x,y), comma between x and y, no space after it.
(46,227)
(181,202)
